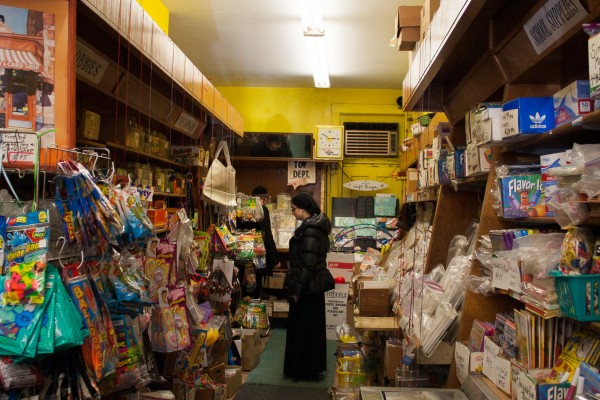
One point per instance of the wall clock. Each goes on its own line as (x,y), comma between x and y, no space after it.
(329,142)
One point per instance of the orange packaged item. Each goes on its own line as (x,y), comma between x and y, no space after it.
(159,218)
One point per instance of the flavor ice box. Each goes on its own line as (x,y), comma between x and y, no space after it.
(522,196)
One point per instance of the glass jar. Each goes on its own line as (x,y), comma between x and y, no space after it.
(155,143)
(142,137)
(150,174)
(179,183)
(159,180)
(132,137)
(170,179)
(167,147)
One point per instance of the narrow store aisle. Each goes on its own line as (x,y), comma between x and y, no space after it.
(267,381)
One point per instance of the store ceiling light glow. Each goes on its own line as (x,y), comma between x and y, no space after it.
(312,18)
(314,32)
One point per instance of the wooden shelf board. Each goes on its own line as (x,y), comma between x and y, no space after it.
(93,143)
(164,194)
(376,323)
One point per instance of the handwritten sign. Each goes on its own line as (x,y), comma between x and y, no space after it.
(552,21)
(506,275)
(594,67)
(524,387)
(510,122)
(461,358)
(18,149)
(490,351)
(305,171)
(365,185)
(476,362)
(336,301)
(502,374)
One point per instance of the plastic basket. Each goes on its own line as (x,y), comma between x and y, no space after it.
(347,372)
(579,296)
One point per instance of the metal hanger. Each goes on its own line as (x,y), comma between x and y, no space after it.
(60,252)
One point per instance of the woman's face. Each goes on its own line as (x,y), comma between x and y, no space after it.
(299,213)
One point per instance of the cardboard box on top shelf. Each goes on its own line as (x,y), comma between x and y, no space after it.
(408,38)
(407,16)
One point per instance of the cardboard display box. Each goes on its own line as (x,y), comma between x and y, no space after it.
(408,38)
(250,349)
(391,359)
(427,11)
(87,124)
(218,393)
(233,379)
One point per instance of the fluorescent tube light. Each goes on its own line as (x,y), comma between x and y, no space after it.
(318,61)
(312,18)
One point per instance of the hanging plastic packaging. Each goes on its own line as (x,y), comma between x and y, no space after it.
(27,239)
(99,347)
(20,327)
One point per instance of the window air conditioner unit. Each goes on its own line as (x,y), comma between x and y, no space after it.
(363,143)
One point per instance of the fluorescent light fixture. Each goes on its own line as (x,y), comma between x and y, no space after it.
(312,18)
(318,61)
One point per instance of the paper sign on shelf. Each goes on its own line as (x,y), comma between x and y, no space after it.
(301,173)
(336,302)
(461,358)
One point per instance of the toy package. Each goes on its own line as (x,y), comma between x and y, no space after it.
(25,258)
(576,252)
(522,196)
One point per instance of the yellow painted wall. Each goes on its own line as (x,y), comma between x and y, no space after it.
(158,12)
(299,110)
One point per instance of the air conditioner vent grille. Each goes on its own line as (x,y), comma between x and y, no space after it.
(363,143)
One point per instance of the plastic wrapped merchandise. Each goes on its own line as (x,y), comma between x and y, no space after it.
(479,284)
(566,207)
(576,252)
(453,281)
(587,155)
(538,253)
(458,247)
(284,201)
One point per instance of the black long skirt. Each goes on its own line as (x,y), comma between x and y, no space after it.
(305,345)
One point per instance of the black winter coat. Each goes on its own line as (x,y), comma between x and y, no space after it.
(308,253)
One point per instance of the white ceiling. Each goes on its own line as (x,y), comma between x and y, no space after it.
(259,43)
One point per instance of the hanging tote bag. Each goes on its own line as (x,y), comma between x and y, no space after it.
(219,186)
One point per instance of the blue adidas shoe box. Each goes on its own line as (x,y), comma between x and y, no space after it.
(527,115)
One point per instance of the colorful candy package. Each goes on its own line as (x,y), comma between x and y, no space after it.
(20,327)
(25,258)
(99,347)
(130,355)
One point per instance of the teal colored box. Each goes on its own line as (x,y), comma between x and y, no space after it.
(535,115)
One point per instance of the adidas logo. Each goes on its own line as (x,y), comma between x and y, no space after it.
(537,120)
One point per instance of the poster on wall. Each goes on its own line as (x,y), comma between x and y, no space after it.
(27,64)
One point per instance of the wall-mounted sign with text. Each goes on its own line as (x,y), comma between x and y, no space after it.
(301,173)
(365,185)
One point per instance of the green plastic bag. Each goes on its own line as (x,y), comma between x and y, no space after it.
(46,341)
(68,330)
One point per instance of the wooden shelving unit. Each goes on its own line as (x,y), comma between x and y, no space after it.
(500,65)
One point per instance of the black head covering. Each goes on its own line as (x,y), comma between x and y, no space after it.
(260,191)
(305,201)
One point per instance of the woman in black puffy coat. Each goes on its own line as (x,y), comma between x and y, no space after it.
(305,347)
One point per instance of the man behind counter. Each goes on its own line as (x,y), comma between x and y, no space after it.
(271,146)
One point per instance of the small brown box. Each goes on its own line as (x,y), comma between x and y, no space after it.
(87,124)
(216,372)
(233,378)
(412,180)
(392,358)
(408,16)
(409,36)
(374,302)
